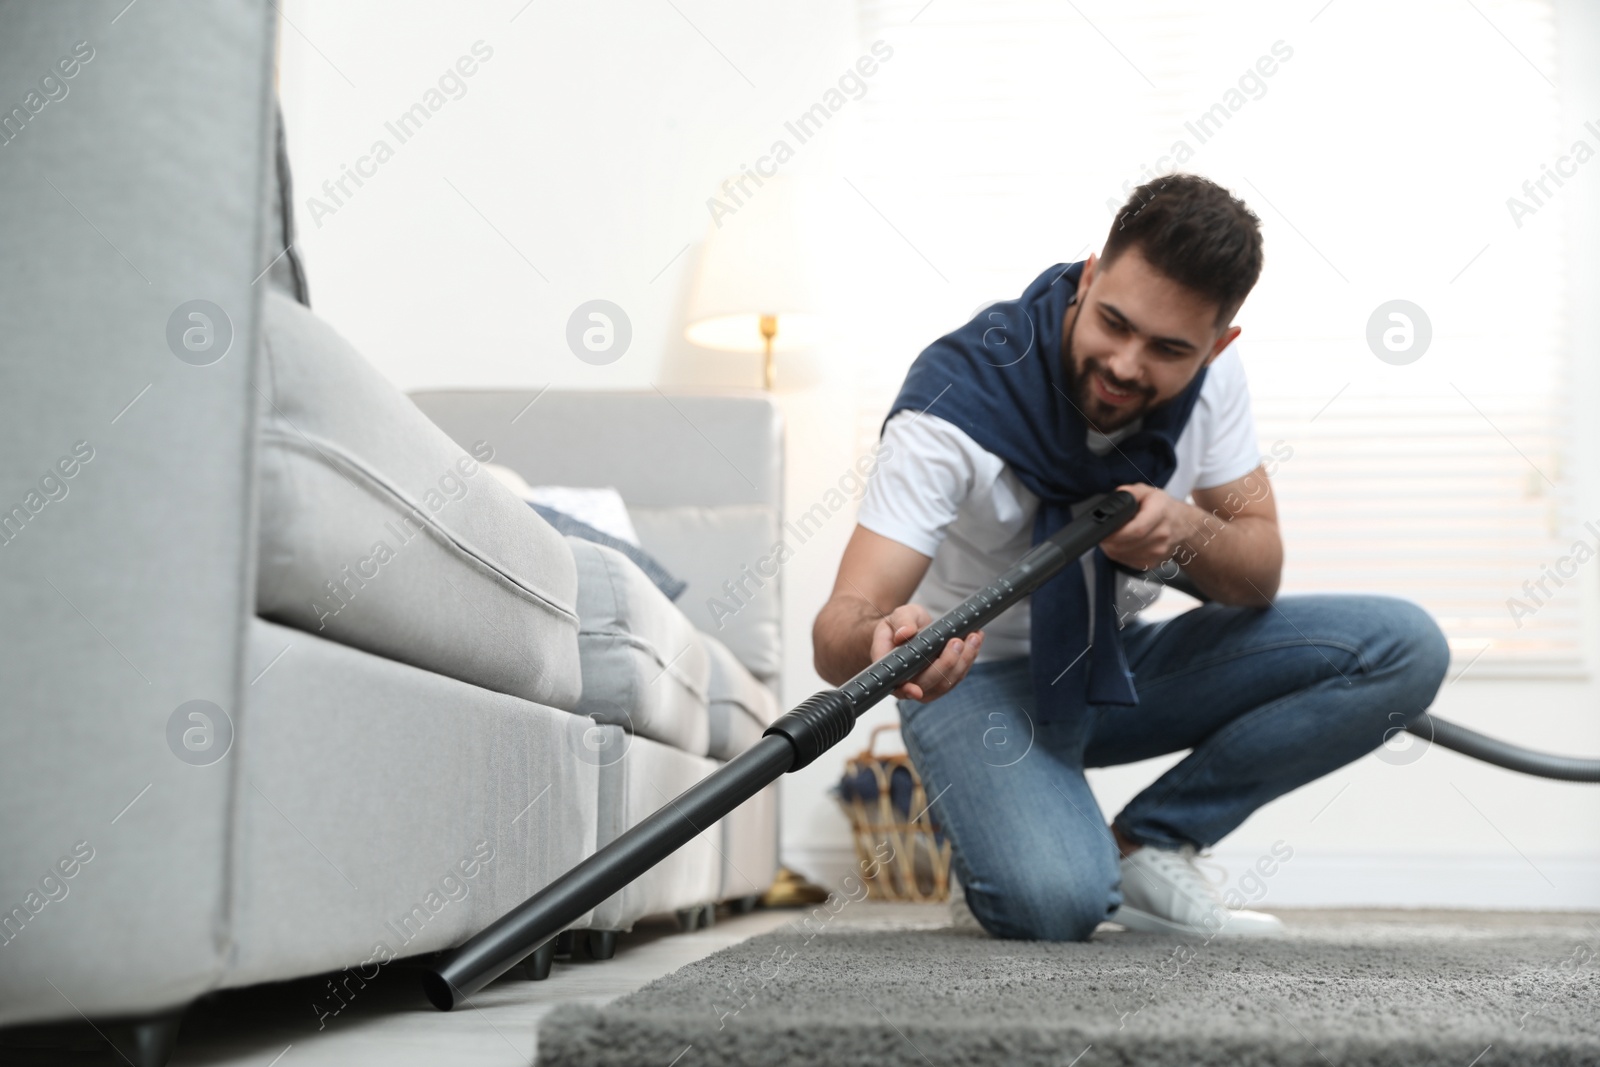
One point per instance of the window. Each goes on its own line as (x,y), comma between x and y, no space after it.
(1412,153)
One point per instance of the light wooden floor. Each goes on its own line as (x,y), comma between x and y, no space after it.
(389,1023)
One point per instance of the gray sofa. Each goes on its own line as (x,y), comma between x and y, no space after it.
(242,742)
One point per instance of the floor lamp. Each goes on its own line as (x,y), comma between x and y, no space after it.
(752,290)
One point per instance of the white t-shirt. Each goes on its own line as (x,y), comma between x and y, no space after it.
(940,494)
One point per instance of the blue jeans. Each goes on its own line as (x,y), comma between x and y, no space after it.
(1267,699)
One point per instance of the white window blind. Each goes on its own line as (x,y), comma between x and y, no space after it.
(1379,143)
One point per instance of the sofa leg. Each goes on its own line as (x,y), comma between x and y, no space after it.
(538,964)
(602,944)
(146,1042)
(708,915)
(745,905)
(688,920)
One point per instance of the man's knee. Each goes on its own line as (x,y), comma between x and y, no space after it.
(1410,642)
(1040,911)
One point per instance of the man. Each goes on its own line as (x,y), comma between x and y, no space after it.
(1117,372)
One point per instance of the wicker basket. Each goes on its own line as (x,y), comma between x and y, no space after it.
(918,867)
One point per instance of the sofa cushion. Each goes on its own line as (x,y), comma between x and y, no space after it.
(645,667)
(740,707)
(377,531)
(444,802)
(731,556)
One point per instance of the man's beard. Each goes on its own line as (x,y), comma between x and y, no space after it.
(1105,418)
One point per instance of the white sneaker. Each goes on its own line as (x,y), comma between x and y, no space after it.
(1163,892)
(961,916)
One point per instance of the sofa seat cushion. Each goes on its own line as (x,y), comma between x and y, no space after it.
(378,531)
(740,707)
(645,667)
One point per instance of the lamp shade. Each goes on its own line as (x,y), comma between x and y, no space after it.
(754,263)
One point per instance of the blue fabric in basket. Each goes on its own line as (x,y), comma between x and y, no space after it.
(863,786)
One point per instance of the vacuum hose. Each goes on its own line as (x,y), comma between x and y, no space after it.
(1503,754)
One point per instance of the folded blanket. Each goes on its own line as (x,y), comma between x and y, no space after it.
(672,586)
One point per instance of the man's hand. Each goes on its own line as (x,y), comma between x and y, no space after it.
(1155,533)
(1227,541)
(940,676)
(859,624)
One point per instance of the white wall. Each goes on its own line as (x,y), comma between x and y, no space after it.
(581,156)
(590,139)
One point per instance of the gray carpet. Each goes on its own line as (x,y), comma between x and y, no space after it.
(884,985)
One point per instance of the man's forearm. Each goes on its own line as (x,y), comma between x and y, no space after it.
(1237,561)
(841,638)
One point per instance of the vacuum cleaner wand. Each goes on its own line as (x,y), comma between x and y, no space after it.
(790,743)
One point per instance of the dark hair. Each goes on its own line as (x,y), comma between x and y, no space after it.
(1195,232)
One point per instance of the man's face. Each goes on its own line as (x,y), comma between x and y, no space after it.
(1135,339)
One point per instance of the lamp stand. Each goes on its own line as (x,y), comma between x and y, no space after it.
(769,330)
